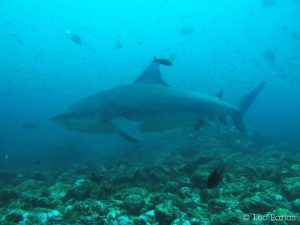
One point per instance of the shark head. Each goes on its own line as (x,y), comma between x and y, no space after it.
(68,120)
(98,113)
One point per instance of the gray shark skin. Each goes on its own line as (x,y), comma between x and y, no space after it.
(148,105)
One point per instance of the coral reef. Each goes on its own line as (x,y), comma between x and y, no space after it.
(262,182)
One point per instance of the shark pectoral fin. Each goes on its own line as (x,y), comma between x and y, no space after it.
(127,129)
(161,124)
(126,136)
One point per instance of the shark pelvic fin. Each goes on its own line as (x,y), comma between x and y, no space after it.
(151,75)
(127,137)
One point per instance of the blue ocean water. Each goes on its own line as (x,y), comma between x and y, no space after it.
(214,45)
(217,45)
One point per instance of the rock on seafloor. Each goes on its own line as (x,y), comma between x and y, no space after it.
(165,190)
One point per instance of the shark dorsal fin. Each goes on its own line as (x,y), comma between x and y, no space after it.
(151,75)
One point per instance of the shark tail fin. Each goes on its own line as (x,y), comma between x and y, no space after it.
(243,105)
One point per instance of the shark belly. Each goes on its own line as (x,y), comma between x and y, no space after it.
(161,122)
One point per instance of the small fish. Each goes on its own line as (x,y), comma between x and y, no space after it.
(215,178)
(20,42)
(270,56)
(186,31)
(269,3)
(74,37)
(29,125)
(118,45)
(295,36)
(38,162)
(96,178)
(162,61)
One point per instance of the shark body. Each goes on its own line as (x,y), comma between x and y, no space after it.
(151,105)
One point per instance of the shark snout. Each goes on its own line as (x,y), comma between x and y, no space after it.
(59,119)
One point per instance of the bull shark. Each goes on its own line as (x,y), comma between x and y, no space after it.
(150,104)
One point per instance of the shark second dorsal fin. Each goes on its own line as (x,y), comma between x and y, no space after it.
(151,75)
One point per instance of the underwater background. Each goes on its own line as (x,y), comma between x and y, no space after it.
(54,53)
